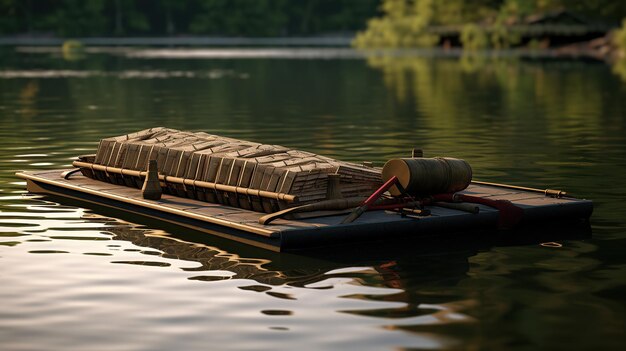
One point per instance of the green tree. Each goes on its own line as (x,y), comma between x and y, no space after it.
(240,17)
(8,16)
(403,24)
(473,37)
(168,17)
(414,22)
(128,18)
(75,18)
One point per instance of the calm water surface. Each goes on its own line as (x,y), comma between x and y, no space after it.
(76,279)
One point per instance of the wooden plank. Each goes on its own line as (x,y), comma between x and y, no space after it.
(178,170)
(538,201)
(129,162)
(161,157)
(258,150)
(206,174)
(287,181)
(103,150)
(182,166)
(173,156)
(274,179)
(487,191)
(246,175)
(224,170)
(518,196)
(143,157)
(218,210)
(109,162)
(257,176)
(272,205)
(191,170)
(102,186)
(265,180)
(195,172)
(131,158)
(214,165)
(273,158)
(111,153)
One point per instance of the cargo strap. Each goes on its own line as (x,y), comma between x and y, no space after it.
(68,174)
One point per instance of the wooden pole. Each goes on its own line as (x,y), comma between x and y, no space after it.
(192,182)
(546,192)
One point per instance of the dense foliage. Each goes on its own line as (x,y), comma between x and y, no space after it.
(483,23)
(171,17)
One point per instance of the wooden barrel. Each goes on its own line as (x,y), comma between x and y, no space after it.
(427,176)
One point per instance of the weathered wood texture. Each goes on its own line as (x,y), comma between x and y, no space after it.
(203,157)
(304,233)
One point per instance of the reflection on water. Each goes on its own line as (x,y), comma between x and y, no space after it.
(132,74)
(552,117)
(75,279)
(619,68)
(302,289)
(245,53)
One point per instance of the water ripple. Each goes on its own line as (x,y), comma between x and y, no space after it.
(76,280)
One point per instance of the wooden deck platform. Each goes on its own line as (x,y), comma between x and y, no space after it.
(286,235)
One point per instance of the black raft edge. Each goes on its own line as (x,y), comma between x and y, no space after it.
(301,239)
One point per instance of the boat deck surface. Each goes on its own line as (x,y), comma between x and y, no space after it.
(282,234)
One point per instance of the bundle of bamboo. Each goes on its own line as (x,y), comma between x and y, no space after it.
(213,168)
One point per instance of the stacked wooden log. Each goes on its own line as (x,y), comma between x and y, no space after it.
(227,171)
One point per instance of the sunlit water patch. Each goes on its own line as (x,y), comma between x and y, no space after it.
(246,53)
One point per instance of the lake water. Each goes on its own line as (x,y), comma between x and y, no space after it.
(76,279)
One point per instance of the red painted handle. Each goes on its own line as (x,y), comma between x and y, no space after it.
(370,200)
(357,212)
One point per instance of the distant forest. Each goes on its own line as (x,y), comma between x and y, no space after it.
(384,21)
(256,18)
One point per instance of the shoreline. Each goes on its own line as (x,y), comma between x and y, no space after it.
(597,49)
(323,41)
